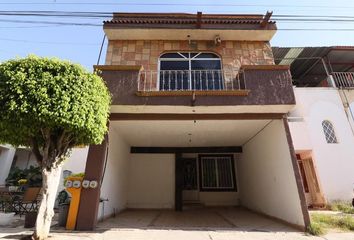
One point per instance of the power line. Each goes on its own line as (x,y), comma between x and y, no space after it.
(100,25)
(178,4)
(55,23)
(317,29)
(110,14)
(41,26)
(43,42)
(279,18)
(299,18)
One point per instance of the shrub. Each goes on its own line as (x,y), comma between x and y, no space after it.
(342,206)
(316,229)
(341,221)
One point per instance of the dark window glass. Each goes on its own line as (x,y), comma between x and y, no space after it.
(205,65)
(217,172)
(174,75)
(196,74)
(171,55)
(206,75)
(174,65)
(209,173)
(224,172)
(207,55)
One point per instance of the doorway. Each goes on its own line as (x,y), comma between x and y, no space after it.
(313,193)
(190,191)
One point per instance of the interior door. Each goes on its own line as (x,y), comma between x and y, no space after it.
(190,180)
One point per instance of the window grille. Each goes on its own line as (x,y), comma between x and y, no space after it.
(190,71)
(329,132)
(217,172)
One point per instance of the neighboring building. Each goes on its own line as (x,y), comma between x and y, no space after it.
(321,124)
(23,158)
(198,116)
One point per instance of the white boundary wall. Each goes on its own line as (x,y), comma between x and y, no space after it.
(266,176)
(115,182)
(7,154)
(151,181)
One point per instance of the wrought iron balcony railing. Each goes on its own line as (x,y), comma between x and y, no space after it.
(343,79)
(186,81)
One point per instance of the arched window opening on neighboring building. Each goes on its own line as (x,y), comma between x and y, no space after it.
(328,131)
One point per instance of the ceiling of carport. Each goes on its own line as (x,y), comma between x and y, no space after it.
(200,133)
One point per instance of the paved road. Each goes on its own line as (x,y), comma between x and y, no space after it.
(158,234)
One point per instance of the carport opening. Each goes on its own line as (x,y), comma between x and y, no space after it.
(204,163)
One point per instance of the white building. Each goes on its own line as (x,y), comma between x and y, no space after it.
(321,123)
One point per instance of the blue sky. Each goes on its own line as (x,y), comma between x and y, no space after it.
(81,44)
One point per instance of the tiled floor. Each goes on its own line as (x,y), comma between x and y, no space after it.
(231,218)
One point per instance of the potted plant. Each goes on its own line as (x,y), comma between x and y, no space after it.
(22,183)
(14,176)
(23,178)
(6,214)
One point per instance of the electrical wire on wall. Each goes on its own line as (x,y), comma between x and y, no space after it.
(99,55)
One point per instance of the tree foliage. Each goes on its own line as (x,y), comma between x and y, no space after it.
(51,106)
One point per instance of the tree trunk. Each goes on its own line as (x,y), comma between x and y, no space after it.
(51,179)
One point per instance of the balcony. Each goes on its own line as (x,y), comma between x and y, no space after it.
(192,82)
(343,79)
(256,85)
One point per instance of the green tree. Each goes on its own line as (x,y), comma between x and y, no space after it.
(51,106)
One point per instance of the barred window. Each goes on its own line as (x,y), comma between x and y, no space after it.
(217,173)
(190,71)
(328,131)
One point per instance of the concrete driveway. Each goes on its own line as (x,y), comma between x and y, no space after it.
(191,224)
(212,219)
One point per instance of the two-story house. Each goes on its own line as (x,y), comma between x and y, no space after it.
(197,117)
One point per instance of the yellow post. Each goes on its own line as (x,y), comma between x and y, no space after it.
(73,186)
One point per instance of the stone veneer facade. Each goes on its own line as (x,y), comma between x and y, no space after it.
(146,53)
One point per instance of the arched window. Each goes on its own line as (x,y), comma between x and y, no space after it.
(190,71)
(329,132)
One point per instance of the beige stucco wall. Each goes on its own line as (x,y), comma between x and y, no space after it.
(219,198)
(266,177)
(151,181)
(146,53)
(115,182)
